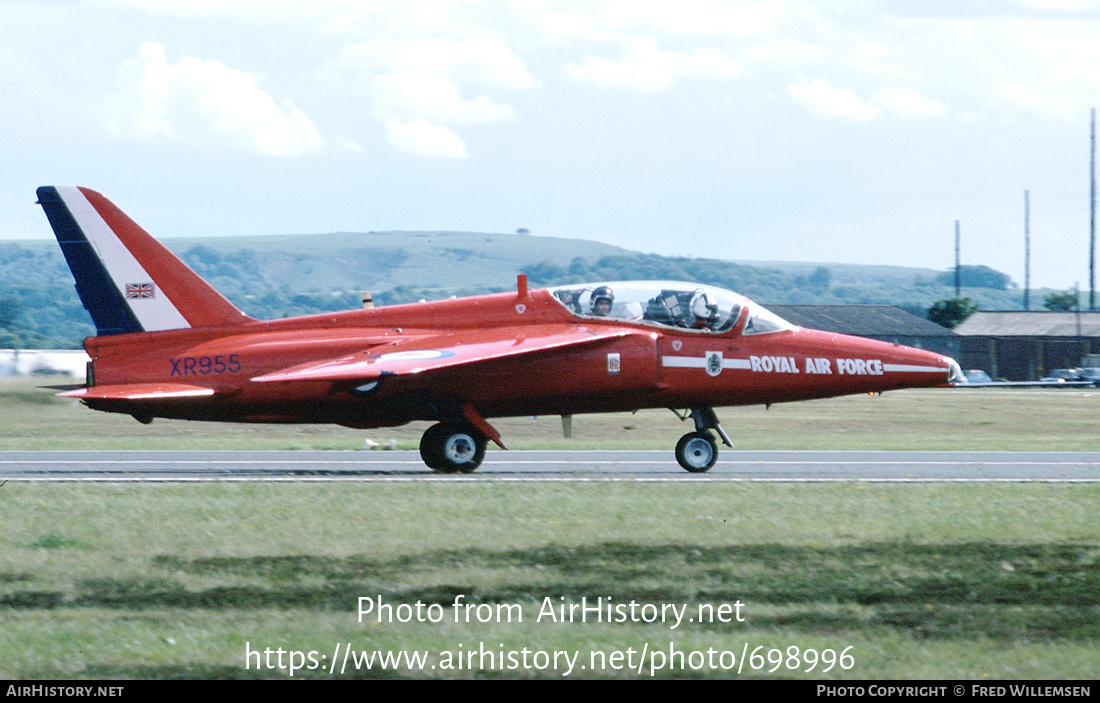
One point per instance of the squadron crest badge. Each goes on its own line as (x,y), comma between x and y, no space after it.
(714,363)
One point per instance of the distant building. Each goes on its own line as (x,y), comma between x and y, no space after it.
(887,323)
(25,362)
(1026,346)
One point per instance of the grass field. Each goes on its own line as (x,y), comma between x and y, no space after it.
(913,581)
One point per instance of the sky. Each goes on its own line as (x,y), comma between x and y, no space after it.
(853,131)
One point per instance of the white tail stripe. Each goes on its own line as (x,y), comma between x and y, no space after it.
(154,313)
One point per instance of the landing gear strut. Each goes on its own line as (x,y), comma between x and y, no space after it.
(452,448)
(697,451)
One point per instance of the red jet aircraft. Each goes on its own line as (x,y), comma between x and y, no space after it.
(169,345)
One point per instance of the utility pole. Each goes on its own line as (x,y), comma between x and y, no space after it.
(1092,211)
(1027,251)
(958,266)
(1077,308)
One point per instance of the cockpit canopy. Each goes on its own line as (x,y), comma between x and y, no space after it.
(692,306)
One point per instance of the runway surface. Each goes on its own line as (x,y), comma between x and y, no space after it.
(773,466)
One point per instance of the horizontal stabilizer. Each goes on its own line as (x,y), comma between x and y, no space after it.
(140,391)
(446,351)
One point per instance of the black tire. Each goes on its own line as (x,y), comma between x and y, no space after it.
(452,449)
(430,442)
(697,452)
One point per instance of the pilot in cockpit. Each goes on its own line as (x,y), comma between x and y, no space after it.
(602,300)
(704,309)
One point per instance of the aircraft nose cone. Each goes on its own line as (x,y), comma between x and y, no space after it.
(954,372)
(934,369)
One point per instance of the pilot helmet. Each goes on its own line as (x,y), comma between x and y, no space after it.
(703,306)
(602,293)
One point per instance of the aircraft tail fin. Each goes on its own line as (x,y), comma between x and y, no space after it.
(128,281)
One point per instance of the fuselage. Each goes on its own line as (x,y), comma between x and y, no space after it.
(169,345)
(649,365)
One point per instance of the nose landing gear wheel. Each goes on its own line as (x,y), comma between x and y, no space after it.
(452,449)
(697,451)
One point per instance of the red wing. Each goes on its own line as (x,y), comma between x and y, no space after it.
(445,351)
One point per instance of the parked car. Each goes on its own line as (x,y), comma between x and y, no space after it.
(1091,374)
(977,376)
(1062,375)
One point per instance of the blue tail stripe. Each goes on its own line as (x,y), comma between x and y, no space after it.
(98,293)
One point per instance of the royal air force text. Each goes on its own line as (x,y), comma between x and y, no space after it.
(844,367)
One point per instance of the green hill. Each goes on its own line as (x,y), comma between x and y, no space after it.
(285,275)
(377,261)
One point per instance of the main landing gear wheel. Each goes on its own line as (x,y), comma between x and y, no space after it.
(697,451)
(452,449)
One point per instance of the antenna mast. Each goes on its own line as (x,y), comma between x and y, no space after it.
(958,270)
(1092,212)
(1027,251)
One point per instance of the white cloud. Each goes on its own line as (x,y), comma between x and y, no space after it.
(1051,69)
(603,20)
(196,100)
(415,87)
(646,68)
(420,137)
(821,98)
(1043,100)
(907,101)
(453,63)
(1022,95)
(785,51)
(411,96)
(742,18)
(263,10)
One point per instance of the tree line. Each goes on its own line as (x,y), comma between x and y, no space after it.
(39,307)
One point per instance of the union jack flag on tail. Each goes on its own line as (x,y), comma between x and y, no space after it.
(140,290)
